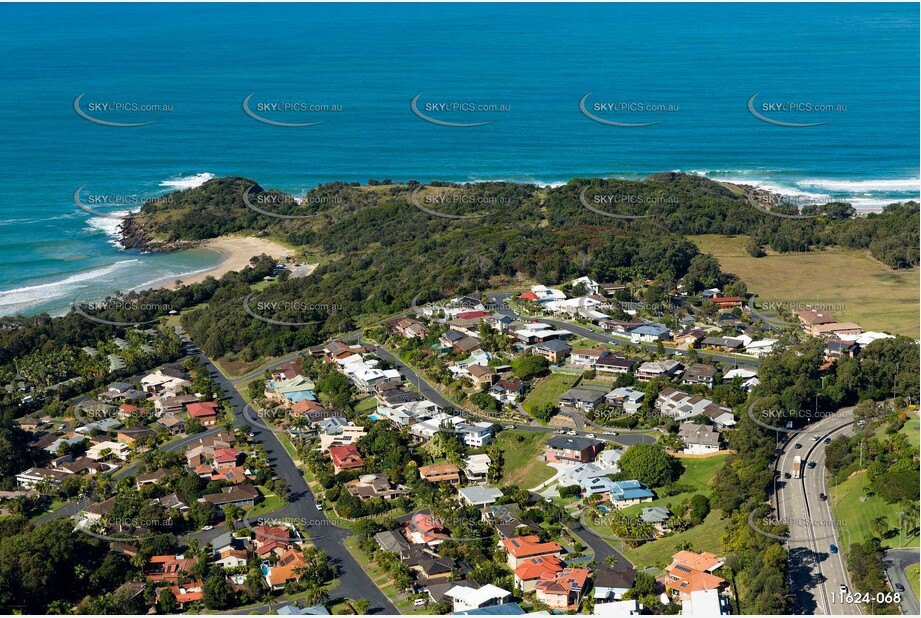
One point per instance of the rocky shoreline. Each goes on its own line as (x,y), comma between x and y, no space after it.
(136,235)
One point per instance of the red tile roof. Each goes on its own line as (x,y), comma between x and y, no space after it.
(203,409)
(527,546)
(346,457)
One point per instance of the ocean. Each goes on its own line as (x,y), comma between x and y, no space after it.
(721,83)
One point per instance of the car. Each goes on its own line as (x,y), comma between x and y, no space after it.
(509,426)
(827,440)
(823,497)
(789,424)
(842,587)
(548,500)
(899,587)
(301,472)
(797,445)
(208,528)
(811,465)
(862,423)
(610,433)
(252,434)
(816,438)
(590,435)
(787,475)
(571,433)
(833,549)
(419,602)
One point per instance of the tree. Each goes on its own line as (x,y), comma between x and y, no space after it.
(879,525)
(362,606)
(166,602)
(530,366)
(216,593)
(202,513)
(650,464)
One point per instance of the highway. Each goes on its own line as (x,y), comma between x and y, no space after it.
(815,573)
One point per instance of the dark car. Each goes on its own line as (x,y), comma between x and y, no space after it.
(786,475)
(833,549)
(797,445)
(827,440)
(899,587)
(823,497)
(811,465)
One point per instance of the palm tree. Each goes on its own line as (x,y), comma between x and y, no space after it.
(610,560)
(879,525)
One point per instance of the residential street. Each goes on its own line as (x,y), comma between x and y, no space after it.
(896,561)
(354,582)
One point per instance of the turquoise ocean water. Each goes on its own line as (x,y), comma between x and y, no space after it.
(691,68)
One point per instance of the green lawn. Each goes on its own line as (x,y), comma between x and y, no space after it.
(913,575)
(912,429)
(855,516)
(549,389)
(521,465)
(366,405)
(705,537)
(270,502)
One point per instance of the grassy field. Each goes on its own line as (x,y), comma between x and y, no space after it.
(521,465)
(855,516)
(913,574)
(705,537)
(366,405)
(548,390)
(868,292)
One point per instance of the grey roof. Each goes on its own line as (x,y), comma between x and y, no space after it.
(554,345)
(480,494)
(722,342)
(574,443)
(390,540)
(585,395)
(655,514)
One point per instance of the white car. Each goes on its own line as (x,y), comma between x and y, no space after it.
(208,528)
(843,589)
(419,602)
(571,433)
(816,438)
(509,426)
(590,435)
(610,433)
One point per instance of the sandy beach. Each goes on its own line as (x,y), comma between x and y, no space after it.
(236,254)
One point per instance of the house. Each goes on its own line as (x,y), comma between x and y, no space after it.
(287,569)
(627,398)
(175,500)
(438,473)
(689,338)
(466,345)
(390,540)
(424,529)
(543,294)
(153,478)
(727,302)
(507,391)
(658,369)
(538,332)
(700,374)
(706,603)
(500,322)
(610,289)
(168,568)
(727,344)
(568,449)
(533,570)
(582,398)
(563,590)
(226,457)
(612,364)
(761,347)
(437,591)
(747,377)
(657,517)
(699,439)
(35,476)
(131,435)
(690,572)
(478,495)
(554,350)
(170,406)
(649,333)
(186,593)
(375,486)
(98,511)
(618,609)
(345,457)
(506,609)
(243,496)
(522,548)
(335,431)
(294,610)
(230,558)
(809,317)
(481,375)
(610,585)
(836,348)
(587,357)
(621,493)
(409,328)
(836,329)
(476,467)
(175,425)
(620,326)
(682,406)
(107,449)
(589,285)
(288,371)
(465,598)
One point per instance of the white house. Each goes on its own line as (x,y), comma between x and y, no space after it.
(466,598)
